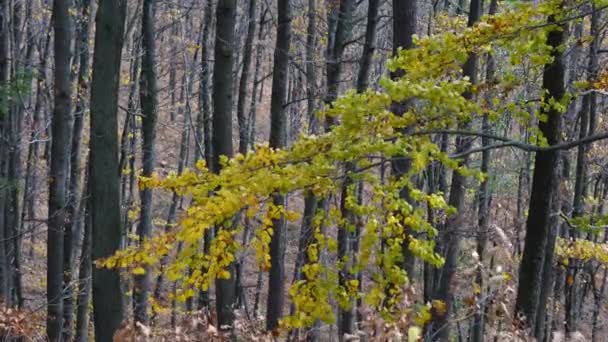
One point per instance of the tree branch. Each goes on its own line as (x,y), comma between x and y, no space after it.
(507,142)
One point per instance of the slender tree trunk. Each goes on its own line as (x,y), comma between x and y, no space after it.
(256,82)
(37,124)
(541,325)
(404,27)
(104,176)
(369,46)
(23,69)
(337,44)
(16,108)
(348,248)
(4,130)
(202,134)
(149,107)
(278,139)
(483,216)
(310,200)
(244,81)
(222,134)
(183,154)
(75,170)
(127,138)
(59,169)
(441,324)
(587,125)
(545,182)
(311,75)
(85,269)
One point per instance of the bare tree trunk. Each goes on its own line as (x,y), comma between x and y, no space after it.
(244,81)
(83,297)
(587,126)
(20,67)
(278,139)
(336,46)
(222,134)
(5,266)
(60,150)
(545,181)
(37,126)
(255,94)
(310,200)
(441,323)
(149,107)
(104,177)
(483,216)
(311,77)
(404,27)
(183,154)
(75,170)
(369,46)
(202,134)
(22,70)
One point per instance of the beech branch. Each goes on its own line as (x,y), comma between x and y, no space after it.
(508,142)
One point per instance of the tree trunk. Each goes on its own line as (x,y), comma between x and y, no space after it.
(84,272)
(404,27)
(60,150)
(75,169)
(337,44)
(222,134)
(441,324)
(202,133)
(181,163)
(587,127)
(483,213)
(311,75)
(310,200)
(244,81)
(256,83)
(104,176)
(37,124)
(369,46)
(545,182)
(278,139)
(5,275)
(149,108)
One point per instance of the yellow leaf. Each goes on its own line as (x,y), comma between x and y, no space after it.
(139,271)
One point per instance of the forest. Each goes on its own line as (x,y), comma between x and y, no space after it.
(303,170)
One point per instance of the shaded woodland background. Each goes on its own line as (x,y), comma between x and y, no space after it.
(97,93)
